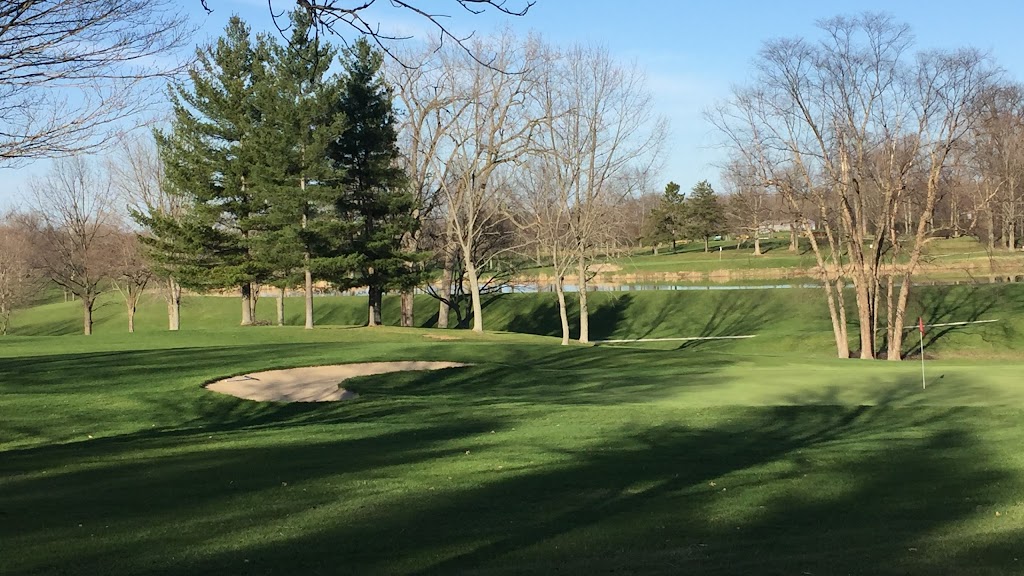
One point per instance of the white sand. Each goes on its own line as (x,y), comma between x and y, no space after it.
(314,383)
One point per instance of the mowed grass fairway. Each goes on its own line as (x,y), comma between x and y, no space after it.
(759,456)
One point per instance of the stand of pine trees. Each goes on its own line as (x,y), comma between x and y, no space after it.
(289,172)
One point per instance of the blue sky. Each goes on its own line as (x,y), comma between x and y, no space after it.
(693,52)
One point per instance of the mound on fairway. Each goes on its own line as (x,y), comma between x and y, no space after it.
(312,383)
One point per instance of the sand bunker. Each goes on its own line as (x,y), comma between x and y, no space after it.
(314,383)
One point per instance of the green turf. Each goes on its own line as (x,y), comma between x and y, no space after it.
(538,459)
(761,456)
(784,320)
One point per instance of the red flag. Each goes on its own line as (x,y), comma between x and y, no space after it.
(920,325)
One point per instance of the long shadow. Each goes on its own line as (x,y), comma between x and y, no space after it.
(733,317)
(788,532)
(135,487)
(608,316)
(538,317)
(486,301)
(568,377)
(963,303)
(826,489)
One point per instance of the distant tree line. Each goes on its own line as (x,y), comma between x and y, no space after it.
(293,164)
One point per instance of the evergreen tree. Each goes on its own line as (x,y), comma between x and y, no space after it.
(209,154)
(705,216)
(375,194)
(296,181)
(667,220)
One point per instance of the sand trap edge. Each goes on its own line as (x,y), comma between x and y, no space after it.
(313,383)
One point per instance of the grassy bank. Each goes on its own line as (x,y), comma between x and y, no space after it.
(784,320)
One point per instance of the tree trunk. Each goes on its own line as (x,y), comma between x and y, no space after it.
(376,296)
(247,315)
(255,291)
(833,293)
(280,307)
(474,293)
(655,248)
(864,317)
(1011,239)
(890,315)
(173,305)
(410,244)
(87,314)
(895,349)
(407,308)
(991,230)
(757,245)
(563,314)
(445,290)
(131,318)
(308,293)
(794,242)
(307,272)
(584,306)
(707,244)
(837,312)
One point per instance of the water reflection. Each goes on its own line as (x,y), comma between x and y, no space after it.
(535,288)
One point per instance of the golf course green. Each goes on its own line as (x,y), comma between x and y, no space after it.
(763,455)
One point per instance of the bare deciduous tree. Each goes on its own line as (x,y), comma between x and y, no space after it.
(600,138)
(846,123)
(71,69)
(130,273)
(17,280)
(75,230)
(491,129)
(749,206)
(541,209)
(996,157)
(137,175)
(429,93)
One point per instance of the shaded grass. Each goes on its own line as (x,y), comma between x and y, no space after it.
(537,459)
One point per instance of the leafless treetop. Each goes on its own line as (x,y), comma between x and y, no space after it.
(71,69)
(335,16)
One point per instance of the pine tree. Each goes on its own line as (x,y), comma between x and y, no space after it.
(705,217)
(209,154)
(667,220)
(375,196)
(296,181)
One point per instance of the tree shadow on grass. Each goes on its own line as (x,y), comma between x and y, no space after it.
(948,304)
(537,315)
(608,316)
(822,489)
(731,317)
(563,377)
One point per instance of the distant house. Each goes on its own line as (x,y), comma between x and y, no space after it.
(780,226)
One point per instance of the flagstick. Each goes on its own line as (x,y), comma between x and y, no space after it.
(923,383)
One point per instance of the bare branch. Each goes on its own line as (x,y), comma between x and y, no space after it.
(71,70)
